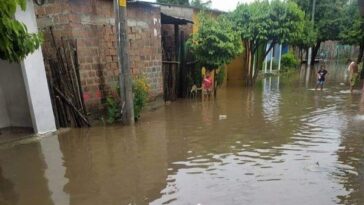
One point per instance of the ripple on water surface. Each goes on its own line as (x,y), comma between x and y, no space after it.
(280,144)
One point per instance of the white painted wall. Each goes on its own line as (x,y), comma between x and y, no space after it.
(35,79)
(14,99)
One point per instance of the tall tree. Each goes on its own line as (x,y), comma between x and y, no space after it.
(305,39)
(352,29)
(15,41)
(262,22)
(176,2)
(327,22)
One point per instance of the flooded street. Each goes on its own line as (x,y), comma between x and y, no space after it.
(281,143)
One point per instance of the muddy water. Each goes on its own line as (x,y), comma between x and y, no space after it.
(281,143)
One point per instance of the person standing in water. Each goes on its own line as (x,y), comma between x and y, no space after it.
(321,77)
(207,85)
(353,74)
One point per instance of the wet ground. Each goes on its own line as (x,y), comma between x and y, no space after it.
(279,143)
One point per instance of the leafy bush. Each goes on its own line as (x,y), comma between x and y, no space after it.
(16,43)
(141,91)
(215,43)
(113,110)
(289,61)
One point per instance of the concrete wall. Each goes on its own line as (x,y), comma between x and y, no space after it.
(14,107)
(35,80)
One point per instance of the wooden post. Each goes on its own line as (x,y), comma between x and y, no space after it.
(126,89)
(176,72)
(182,67)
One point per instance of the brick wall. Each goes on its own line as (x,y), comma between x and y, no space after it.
(91,24)
(145,45)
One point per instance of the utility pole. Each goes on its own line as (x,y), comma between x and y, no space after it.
(313,23)
(126,87)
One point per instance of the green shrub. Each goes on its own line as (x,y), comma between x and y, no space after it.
(15,40)
(113,110)
(289,61)
(141,92)
(140,97)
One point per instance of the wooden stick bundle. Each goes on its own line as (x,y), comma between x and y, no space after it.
(65,85)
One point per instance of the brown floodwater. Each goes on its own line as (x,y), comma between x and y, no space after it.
(278,143)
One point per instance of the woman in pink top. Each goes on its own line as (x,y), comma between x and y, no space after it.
(207,85)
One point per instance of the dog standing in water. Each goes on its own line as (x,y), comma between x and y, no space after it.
(194,91)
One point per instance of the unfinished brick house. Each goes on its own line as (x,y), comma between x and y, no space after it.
(91,23)
(156,35)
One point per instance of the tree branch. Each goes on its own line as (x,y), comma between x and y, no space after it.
(269,49)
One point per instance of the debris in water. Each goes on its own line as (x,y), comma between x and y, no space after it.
(222,117)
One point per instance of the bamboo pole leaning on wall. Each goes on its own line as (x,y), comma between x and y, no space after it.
(65,87)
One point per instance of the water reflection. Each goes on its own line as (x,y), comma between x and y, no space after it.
(108,167)
(280,143)
(350,166)
(271,98)
(8,195)
(23,169)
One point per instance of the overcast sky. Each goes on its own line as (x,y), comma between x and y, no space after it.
(224,5)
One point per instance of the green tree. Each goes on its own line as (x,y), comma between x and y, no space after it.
(15,41)
(352,29)
(215,43)
(328,20)
(307,38)
(262,22)
(176,2)
(200,4)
